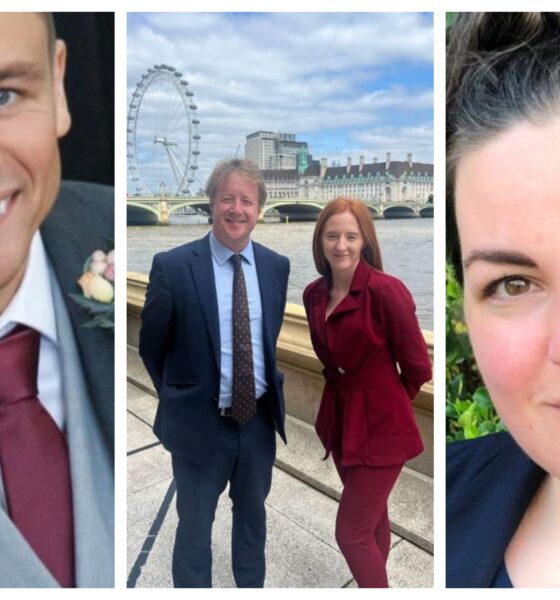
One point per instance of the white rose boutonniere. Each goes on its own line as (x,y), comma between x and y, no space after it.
(97,283)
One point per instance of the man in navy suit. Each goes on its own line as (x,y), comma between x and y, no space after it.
(190,345)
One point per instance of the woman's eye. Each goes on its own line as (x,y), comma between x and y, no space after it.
(510,287)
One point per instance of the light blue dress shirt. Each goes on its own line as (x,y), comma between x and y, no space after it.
(223,277)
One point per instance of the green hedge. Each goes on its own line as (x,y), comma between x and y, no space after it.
(469,410)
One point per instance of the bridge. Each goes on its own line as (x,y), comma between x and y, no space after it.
(161,208)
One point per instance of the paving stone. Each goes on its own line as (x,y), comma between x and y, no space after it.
(148,467)
(410,567)
(142,404)
(301,549)
(139,435)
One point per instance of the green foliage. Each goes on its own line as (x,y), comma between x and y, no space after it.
(450,18)
(101,313)
(469,410)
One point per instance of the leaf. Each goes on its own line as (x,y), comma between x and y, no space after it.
(92,305)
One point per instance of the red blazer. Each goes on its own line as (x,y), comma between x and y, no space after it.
(366,407)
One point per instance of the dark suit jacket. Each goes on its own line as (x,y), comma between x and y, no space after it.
(373,329)
(490,482)
(83,220)
(180,343)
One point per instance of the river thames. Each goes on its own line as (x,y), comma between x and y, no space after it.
(406,245)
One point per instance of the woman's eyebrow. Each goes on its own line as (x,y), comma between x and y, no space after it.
(498,257)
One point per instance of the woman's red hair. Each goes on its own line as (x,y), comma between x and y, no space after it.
(370,252)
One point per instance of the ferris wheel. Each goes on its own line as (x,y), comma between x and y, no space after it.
(162,134)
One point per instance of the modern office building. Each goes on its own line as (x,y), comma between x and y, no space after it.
(275,150)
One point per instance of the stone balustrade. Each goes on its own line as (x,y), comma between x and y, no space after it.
(302,370)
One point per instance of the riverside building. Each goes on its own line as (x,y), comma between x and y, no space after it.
(290,172)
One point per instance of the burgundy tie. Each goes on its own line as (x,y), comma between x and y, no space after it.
(243,402)
(34,459)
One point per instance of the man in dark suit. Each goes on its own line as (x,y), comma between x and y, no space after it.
(210,323)
(56,388)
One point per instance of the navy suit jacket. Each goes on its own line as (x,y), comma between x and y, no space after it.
(180,343)
(490,482)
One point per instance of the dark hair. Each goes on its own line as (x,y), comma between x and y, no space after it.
(247,168)
(51,31)
(502,68)
(371,251)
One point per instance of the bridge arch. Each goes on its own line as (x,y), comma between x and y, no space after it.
(373,210)
(296,211)
(427,212)
(398,211)
(194,203)
(144,207)
(142,214)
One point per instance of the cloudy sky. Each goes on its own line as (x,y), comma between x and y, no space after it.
(349,84)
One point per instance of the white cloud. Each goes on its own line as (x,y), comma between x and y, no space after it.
(342,77)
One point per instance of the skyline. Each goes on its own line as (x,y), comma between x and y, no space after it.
(348,84)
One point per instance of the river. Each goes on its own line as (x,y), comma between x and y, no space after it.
(406,244)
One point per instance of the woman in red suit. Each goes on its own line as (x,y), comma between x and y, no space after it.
(363,324)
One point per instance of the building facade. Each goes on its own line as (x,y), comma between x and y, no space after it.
(375,182)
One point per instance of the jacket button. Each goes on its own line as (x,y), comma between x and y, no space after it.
(341,371)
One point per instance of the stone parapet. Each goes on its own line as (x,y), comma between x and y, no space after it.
(302,370)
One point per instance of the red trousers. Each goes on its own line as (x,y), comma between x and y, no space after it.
(363,532)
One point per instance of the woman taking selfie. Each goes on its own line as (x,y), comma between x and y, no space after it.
(363,324)
(503,200)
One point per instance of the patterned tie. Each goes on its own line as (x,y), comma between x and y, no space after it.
(34,459)
(243,403)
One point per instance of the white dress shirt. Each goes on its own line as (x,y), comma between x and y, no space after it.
(32,305)
(223,277)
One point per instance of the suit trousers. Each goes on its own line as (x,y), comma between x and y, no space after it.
(243,455)
(363,531)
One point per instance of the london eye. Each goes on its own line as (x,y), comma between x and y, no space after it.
(162,134)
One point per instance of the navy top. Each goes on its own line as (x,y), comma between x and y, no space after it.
(490,483)
(502,580)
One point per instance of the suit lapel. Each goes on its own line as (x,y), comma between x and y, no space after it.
(351,303)
(90,464)
(268,291)
(203,277)
(318,309)
(19,565)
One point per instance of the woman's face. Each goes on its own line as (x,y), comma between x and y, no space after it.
(508,215)
(342,242)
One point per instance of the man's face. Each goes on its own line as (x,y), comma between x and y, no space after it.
(235,211)
(33,115)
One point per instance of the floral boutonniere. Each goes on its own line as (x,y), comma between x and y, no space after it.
(97,283)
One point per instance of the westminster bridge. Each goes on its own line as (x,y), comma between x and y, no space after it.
(158,210)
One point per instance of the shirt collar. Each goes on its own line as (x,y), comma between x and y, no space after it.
(32,304)
(222,253)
